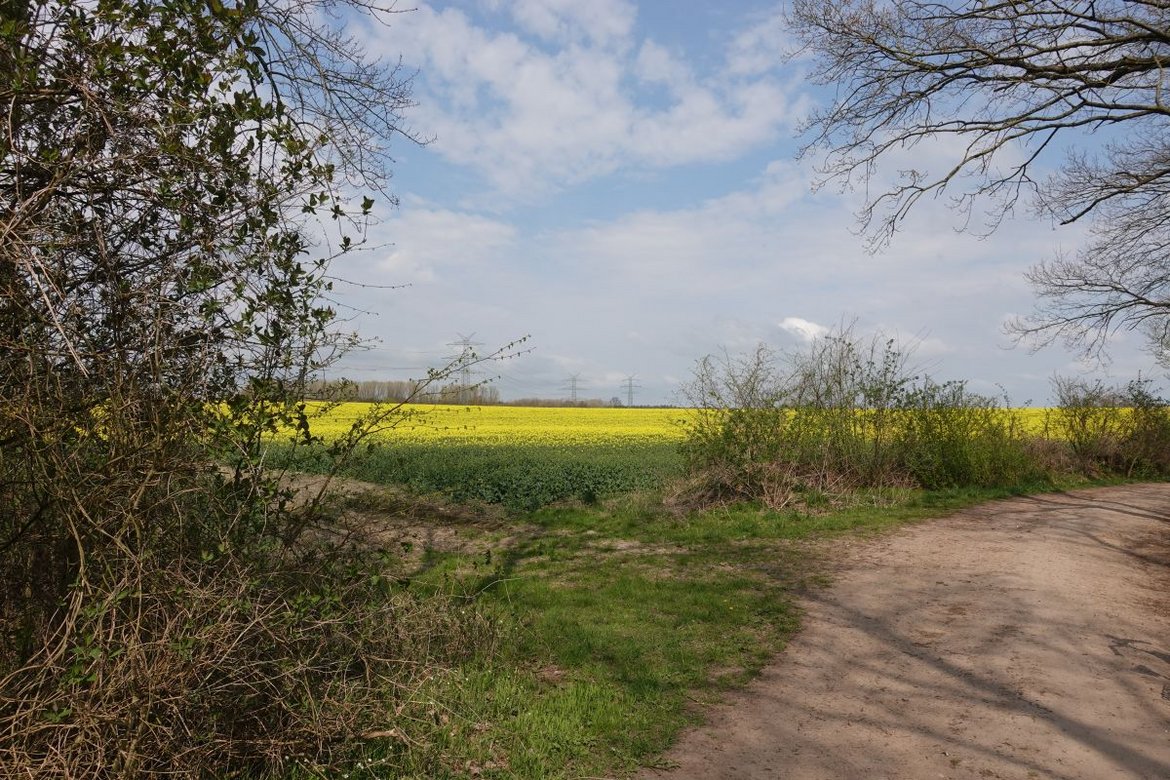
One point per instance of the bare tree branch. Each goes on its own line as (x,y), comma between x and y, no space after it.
(1013,82)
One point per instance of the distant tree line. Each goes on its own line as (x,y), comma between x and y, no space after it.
(403,391)
(419,391)
(580,403)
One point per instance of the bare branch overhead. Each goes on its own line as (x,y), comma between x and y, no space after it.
(1017,85)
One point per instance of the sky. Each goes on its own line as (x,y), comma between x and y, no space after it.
(617,182)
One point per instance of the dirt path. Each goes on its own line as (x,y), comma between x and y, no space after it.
(1027,638)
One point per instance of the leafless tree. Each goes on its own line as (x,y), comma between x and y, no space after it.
(1016,84)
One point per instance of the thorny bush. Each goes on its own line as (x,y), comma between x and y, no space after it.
(163,609)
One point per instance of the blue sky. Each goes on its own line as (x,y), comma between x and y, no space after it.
(617,180)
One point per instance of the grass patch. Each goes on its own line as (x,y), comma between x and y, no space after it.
(617,619)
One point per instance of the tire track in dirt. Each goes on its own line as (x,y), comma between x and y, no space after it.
(1026,638)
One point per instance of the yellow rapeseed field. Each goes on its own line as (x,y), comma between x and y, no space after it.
(511,424)
(540,425)
(1033,421)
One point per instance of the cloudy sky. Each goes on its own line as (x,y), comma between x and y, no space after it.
(617,181)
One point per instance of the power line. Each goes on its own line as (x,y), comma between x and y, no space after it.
(630,388)
(573,381)
(463,362)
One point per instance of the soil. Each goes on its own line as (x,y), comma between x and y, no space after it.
(1027,638)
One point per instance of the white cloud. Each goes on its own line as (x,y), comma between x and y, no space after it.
(531,118)
(929,347)
(706,124)
(562,21)
(756,49)
(713,247)
(430,242)
(803,329)
(656,64)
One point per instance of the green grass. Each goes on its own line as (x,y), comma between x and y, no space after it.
(618,620)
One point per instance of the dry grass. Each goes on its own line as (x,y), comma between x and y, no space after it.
(304,660)
(778,485)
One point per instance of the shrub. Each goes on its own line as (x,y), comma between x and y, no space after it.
(163,304)
(950,437)
(739,421)
(782,427)
(1122,430)
(1147,432)
(1089,416)
(846,413)
(293,664)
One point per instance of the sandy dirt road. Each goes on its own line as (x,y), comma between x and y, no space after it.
(1027,638)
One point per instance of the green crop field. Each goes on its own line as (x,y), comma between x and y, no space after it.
(520,457)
